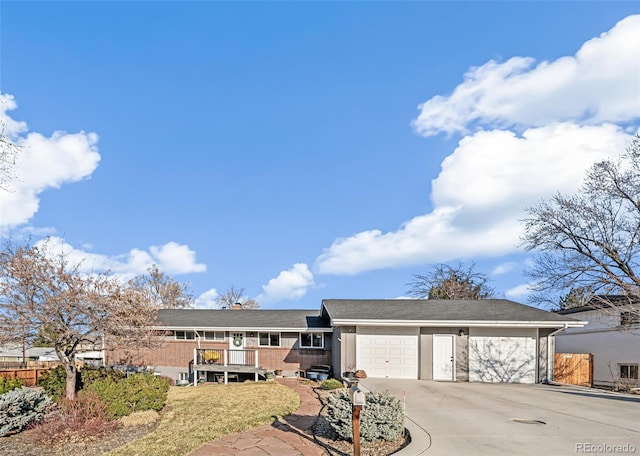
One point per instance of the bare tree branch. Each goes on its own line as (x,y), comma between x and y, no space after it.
(447,282)
(235,295)
(590,240)
(52,301)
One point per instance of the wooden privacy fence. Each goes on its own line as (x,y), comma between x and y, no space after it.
(573,368)
(29,377)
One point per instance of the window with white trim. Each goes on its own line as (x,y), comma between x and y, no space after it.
(183,376)
(311,340)
(628,371)
(268,339)
(185,335)
(213,335)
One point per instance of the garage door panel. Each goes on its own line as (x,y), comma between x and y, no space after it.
(502,359)
(388,352)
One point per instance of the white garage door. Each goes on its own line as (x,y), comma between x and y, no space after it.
(387,352)
(510,359)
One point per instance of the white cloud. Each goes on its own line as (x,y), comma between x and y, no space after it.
(42,163)
(504,268)
(171,258)
(599,83)
(563,115)
(207,300)
(176,258)
(518,292)
(480,197)
(290,284)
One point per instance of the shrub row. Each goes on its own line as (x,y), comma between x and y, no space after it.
(137,392)
(54,381)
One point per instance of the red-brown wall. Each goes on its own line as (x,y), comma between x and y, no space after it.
(179,353)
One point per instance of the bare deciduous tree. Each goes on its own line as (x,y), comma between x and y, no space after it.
(235,295)
(48,298)
(447,282)
(589,240)
(163,291)
(8,154)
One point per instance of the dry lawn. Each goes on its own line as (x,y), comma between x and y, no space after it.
(196,415)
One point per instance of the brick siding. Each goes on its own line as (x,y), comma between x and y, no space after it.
(179,353)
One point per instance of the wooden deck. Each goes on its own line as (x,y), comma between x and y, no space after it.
(227,363)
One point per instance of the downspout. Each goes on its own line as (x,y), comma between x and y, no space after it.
(197,336)
(195,357)
(549,358)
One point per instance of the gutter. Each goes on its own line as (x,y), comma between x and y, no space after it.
(457,323)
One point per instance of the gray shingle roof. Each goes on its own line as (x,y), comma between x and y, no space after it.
(437,310)
(241,319)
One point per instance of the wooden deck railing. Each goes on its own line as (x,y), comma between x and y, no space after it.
(225,357)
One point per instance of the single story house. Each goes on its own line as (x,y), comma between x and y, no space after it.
(204,344)
(612,336)
(494,340)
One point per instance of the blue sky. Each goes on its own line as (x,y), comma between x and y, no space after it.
(307,150)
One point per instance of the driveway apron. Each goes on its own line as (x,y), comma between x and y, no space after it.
(517,419)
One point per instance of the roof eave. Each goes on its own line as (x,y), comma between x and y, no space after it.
(466,323)
(239,328)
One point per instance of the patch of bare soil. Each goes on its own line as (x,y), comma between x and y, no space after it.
(327,437)
(22,444)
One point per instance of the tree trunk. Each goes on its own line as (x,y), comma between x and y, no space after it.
(70,369)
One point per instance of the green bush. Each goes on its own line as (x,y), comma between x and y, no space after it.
(54,381)
(9,384)
(21,407)
(382,417)
(90,375)
(138,392)
(331,384)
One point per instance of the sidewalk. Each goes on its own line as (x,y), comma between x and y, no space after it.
(288,436)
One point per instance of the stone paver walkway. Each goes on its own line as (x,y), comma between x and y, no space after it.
(289,436)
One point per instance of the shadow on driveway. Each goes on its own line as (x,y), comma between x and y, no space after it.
(600,395)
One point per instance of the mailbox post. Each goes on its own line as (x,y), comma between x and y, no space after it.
(358,400)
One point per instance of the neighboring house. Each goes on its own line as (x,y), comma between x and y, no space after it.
(612,335)
(47,354)
(33,354)
(488,341)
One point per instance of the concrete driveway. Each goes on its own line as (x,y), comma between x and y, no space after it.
(498,419)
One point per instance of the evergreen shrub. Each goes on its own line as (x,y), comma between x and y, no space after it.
(381,419)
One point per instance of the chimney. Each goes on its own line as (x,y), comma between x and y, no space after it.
(236,306)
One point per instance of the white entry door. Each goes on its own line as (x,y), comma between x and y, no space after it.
(444,357)
(236,348)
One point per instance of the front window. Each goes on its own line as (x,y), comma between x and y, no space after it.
(183,376)
(269,339)
(311,340)
(629,371)
(185,335)
(213,335)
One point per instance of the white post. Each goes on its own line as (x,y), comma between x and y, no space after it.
(226,377)
(195,372)
(225,356)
